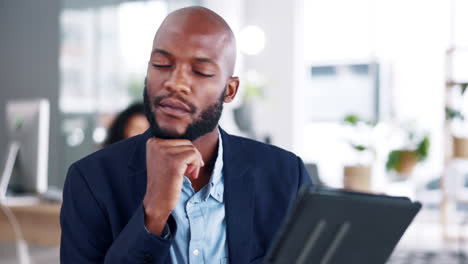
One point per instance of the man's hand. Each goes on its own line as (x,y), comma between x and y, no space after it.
(167,161)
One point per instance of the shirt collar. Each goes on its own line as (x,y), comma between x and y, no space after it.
(216,184)
(218,167)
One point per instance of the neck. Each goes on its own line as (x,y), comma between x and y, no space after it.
(207,145)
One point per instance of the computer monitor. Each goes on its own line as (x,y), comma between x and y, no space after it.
(25,168)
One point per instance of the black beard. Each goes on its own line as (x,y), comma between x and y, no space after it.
(207,122)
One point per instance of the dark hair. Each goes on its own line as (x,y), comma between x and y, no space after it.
(116,131)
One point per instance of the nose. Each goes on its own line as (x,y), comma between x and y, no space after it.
(179,80)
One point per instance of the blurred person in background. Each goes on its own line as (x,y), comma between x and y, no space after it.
(128,123)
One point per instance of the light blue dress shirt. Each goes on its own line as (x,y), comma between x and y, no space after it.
(201,222)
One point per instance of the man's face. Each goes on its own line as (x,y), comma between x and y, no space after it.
(207,121)
(187,80)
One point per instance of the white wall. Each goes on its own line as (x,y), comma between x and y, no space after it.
(279,113)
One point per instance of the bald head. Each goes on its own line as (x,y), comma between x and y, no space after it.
(199,25)
(199,17)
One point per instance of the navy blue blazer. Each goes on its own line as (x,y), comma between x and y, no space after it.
(102,215)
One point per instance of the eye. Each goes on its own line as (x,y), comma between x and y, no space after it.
(203,74)
(161,65)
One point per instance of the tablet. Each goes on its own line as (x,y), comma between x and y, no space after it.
(329,226)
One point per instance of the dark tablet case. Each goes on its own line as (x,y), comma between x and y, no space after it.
(327,226)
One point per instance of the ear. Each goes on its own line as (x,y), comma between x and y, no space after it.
(231,89)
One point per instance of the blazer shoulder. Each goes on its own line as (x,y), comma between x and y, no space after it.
(263,149)
(117,153)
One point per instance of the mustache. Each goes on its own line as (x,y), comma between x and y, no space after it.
(158,99)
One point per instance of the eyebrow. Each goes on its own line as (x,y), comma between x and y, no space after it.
(205,60)
(163,52)
(156,50)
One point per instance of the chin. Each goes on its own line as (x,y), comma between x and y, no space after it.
(172,125)
(175,131)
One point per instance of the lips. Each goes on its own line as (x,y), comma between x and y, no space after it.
(174,107)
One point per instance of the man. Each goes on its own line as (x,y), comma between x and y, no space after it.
(185,191)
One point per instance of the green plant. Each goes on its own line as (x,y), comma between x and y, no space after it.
(394,158)
(463,88)
(451,114)
(421,152)
(359,147)
(355,121)
(351,119)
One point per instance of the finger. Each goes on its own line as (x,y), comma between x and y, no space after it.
(195,173)
(181,150)
(171,142)
(189,169)
(154,143)
(189,156)
(193,167)
(192,171)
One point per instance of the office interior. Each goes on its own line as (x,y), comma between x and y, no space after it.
(371,94)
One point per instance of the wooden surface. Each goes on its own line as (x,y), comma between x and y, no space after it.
(39,223)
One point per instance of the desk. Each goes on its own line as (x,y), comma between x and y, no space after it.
(40,224)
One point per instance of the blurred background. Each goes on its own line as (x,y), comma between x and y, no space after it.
(369,93)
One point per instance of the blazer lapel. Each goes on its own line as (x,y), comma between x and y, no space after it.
(137,166)
(238,197)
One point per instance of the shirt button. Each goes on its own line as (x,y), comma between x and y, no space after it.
(196,252)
